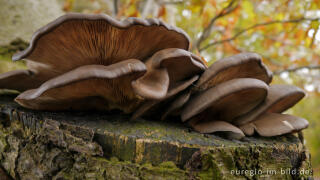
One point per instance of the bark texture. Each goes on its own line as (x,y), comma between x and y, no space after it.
(93,145)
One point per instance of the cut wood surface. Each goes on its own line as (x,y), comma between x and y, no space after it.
(73,145)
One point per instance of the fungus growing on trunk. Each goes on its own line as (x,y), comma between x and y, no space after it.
(60,52)
(280,98)
(273,124)
(218,126)
(182,68)
(224,102)
(243,65)
(266,119)
(143,67)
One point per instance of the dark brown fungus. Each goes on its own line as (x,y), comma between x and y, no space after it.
(280,98)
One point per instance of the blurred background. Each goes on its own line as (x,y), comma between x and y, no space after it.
(284,32)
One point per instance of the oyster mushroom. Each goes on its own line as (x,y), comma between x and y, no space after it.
(273,124)
(213,126)
(18,80)
(266,119)
(74,40)
(225,101)
(79,40)
(243,65)
(182,67)
(64,91)
(280,98)
(174,65)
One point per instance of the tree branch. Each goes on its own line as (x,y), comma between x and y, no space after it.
(207,31)
(278,72)
(115,7)
(255,26)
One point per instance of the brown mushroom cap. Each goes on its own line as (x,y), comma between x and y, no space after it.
(155,105)
(243,65)
(273,124)
(227,100)
(218,126)
(177,104)
(280,98)
(85,82)
(76,39)
(167,66)
(18,80)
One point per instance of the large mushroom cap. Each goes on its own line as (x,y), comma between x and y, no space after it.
(243,65)
(166,68)
(273,124)
(170,71)
(227,100)
(68,90)
(74,40)
(279,99)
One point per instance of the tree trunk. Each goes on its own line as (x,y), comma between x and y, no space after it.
(91,145)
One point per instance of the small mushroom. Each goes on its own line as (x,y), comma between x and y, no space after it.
(279,99)
(243,65)
(273,124)
(219,126)
(17,80)
(227,100)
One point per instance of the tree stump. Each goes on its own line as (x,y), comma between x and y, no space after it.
(92,145)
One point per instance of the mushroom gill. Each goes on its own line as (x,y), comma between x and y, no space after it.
(75,43)
(75,40)
(65,91)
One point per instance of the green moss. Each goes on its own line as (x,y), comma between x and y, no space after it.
(168,165)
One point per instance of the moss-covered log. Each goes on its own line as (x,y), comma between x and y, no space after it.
(91,145)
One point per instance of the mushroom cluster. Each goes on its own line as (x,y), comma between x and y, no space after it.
(144,67)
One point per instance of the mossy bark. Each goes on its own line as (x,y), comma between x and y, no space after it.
(92,145)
